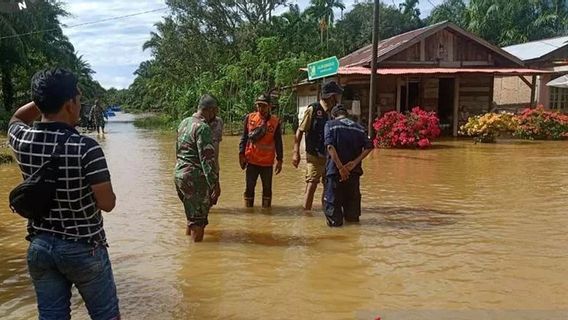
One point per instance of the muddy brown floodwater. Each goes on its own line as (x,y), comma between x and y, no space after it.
(461,231)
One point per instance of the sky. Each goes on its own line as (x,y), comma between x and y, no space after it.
(114,48)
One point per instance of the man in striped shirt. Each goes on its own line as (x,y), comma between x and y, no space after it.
(68,246)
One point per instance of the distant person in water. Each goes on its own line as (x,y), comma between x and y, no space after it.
(347,145)
(97,117)
(196,175)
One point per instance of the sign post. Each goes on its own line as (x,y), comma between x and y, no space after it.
(374,58)
(323,68)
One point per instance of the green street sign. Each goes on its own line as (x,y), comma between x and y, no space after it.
(323,68)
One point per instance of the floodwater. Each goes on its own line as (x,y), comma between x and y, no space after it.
(461,231)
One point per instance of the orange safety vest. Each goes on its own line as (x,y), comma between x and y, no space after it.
(262,152)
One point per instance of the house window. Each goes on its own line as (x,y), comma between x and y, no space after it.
(559,98)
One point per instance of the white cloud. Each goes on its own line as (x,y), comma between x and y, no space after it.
(116,82)
(114,47)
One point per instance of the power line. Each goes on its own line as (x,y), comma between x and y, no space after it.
(84,24)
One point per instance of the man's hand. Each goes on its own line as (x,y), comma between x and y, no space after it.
(278,167)
(343,173)
(215,194)
(242,161)
(351,165)
(296,159)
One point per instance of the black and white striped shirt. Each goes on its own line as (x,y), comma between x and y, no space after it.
(75,215)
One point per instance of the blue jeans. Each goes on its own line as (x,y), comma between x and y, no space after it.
(55,265)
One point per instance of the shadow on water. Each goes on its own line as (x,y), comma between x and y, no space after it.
(407,157)
(274,211)
(380,216)
(408,218)
(264,238)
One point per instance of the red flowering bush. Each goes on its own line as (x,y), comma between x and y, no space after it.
(416,129)
(540,124)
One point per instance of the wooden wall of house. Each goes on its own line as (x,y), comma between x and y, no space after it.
(553,59)
(476,94)
(429,95)
(446,48)
(305,95)
(410,54)
(357,87)
(440,47)
(307,90)
(386,99)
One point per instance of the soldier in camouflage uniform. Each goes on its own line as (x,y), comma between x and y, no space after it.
(97,117)
(196,175)
(217,127)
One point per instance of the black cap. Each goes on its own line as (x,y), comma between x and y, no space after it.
(264,98)
(329,89)
(339,110)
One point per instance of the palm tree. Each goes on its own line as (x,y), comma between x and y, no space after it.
(322,10)
(13,49)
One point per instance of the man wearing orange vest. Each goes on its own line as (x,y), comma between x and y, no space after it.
(260,144)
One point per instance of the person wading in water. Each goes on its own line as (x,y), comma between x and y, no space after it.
(313,123)
(196,175)
(347,145)
(97,117)
(260,144)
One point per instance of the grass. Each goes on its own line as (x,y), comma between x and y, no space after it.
(5,153)
(163,122)
(5,158)
(155,122)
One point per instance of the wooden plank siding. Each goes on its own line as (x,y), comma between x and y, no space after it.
(476,93)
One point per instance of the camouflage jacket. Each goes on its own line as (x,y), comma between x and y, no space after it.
(217,132)
(97,115)
(195,153)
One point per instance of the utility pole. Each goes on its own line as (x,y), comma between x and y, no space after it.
(373,88)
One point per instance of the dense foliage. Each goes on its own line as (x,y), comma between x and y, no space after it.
(487,127)
(540,124)
(415,129)
(531,124)
(24,50)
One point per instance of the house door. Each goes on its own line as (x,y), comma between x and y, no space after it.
(446,104)
(409,96)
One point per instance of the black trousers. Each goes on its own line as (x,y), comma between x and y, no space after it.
(252,173)
(342,200)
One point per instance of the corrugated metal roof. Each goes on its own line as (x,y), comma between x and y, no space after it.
(536,49)
(418,71)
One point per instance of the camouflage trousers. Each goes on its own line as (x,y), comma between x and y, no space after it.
(196,199)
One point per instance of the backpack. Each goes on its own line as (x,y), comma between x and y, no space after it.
(34,197)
